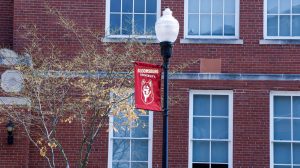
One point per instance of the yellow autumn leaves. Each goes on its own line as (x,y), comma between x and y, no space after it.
(43,147)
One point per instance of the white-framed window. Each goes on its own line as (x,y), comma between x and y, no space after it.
(211,19)
(131,18)
(130,143)
(284,129)
(282,19)
(210,129)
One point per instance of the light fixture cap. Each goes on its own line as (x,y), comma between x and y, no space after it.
(10,126)
(167,27)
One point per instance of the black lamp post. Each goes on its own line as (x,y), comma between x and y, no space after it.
(10,128)
(166,28)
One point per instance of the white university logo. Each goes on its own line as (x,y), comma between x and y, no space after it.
(147,91)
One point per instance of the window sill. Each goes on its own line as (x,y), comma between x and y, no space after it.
(124,40)
(278,41)
(211,41)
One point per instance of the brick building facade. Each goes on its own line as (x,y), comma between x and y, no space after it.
(239,104)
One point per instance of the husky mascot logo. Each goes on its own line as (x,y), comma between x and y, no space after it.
(147,91)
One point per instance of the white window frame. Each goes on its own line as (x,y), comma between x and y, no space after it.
(107,22)
(272,94)
(237,23)
(228,93)
(266,28)
(150,140)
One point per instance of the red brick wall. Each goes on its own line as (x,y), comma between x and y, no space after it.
(250,120)
(251,57)
(6,23)
(251,98)
(15,155)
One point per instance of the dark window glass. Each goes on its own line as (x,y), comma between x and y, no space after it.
(229,25)
(139,165)
(127,24)
(282,106)
(200,165)
(202,105)
(139,24)
(193,24)
(115,24)
(120,165)
(220,105)
(272,6)
(127,5)
(150,24)
(139,6)
(219,166)
(296,25)
(139,150)
(115,6)
(150,6)
(203,165)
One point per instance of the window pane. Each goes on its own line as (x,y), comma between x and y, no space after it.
(220,128)
(139,24)
(285,6)
(193,6)
(219,152)
(229,25)
(115,5)
(284,26)
(272,6)
(151,6)
(139,6)
(296,6)
(139,165)
(141,128)
(219,166)
(121,149)
(282,106)
(121,126)
(127,5)
(200,165)
(139,150)
(282,153)
(296,129)
(201,128)
(296,25)
(219,105)
(205,24)
(217,25)
(229,6)
(115,24)
(282,129)
(141,113)
(296,153)
(127,24)
(150,22)
(276,166)
(205,6)
(201,151)
(272,26)
(296,106)
(193,28)
(201,105)
(217,6)
(120,165)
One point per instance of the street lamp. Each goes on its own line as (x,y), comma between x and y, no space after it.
(10,128)
(166,29)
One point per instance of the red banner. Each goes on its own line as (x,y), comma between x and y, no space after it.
(147,82)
